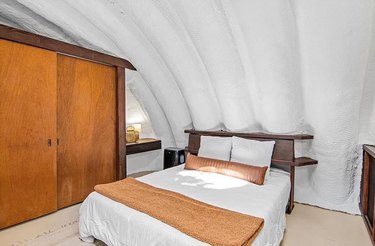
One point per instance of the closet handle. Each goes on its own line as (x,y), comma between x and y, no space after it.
(58,141)
(49,142)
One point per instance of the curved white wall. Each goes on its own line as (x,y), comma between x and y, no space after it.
(280,66)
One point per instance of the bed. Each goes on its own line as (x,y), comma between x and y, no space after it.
(117,224)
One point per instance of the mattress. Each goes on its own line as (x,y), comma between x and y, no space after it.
(117,224)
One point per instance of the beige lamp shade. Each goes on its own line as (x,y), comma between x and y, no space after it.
(138,127)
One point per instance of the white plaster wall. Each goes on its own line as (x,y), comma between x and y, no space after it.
(281,66)
(367,119)
(334,38)
(143,108)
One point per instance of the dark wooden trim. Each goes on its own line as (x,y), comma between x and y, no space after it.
(251,135)
(304,161)
(13,34)
(292,172)
(134,148)
(370,150)
(366,184)
(298,162)
(365,181)
(121,132)
(283,155)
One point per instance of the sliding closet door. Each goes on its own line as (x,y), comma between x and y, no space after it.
(86,127)
(27,122)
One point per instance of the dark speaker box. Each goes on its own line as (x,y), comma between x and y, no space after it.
(173,157)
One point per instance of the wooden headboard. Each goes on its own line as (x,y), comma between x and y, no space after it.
(283,155)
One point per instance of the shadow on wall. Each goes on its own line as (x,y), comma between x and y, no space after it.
(136,115)
(147,161)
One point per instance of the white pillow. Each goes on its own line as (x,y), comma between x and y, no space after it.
(215,147)
(252,152)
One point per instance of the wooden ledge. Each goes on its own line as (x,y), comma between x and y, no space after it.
(252,135)
(304,161)
(143,145)
(298,162)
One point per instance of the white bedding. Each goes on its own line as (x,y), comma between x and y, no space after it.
(117,224)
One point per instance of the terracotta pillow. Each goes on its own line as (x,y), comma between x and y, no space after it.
(253,174)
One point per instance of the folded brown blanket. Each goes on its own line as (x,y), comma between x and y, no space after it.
(207,223)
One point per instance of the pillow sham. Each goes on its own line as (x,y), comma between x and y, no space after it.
(215,147)
(252,152)
(250,173)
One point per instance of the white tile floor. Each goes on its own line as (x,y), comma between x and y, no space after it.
(308,225)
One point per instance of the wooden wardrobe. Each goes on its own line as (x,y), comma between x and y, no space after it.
(62,124)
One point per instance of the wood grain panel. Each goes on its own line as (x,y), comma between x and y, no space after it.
(87,127)
(121,116)
(143,145)
(367,203)
(27,121)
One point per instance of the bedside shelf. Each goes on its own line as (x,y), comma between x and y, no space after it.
(304,161)
(298,162)
(143,145)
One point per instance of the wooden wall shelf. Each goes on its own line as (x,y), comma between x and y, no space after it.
(304,161)
(252,135)
(143,145)
(298,162)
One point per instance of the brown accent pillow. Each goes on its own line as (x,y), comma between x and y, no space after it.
(253,174)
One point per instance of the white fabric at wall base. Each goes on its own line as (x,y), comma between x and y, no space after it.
(277,66)
(116,224)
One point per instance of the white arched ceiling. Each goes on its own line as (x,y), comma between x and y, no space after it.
(269,31)
(280,66)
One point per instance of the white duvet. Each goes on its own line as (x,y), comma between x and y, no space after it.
(117,224)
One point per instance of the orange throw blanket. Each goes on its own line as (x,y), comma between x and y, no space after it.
(207,223)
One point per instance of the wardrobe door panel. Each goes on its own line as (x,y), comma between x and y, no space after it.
(86,127)
(27,120)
